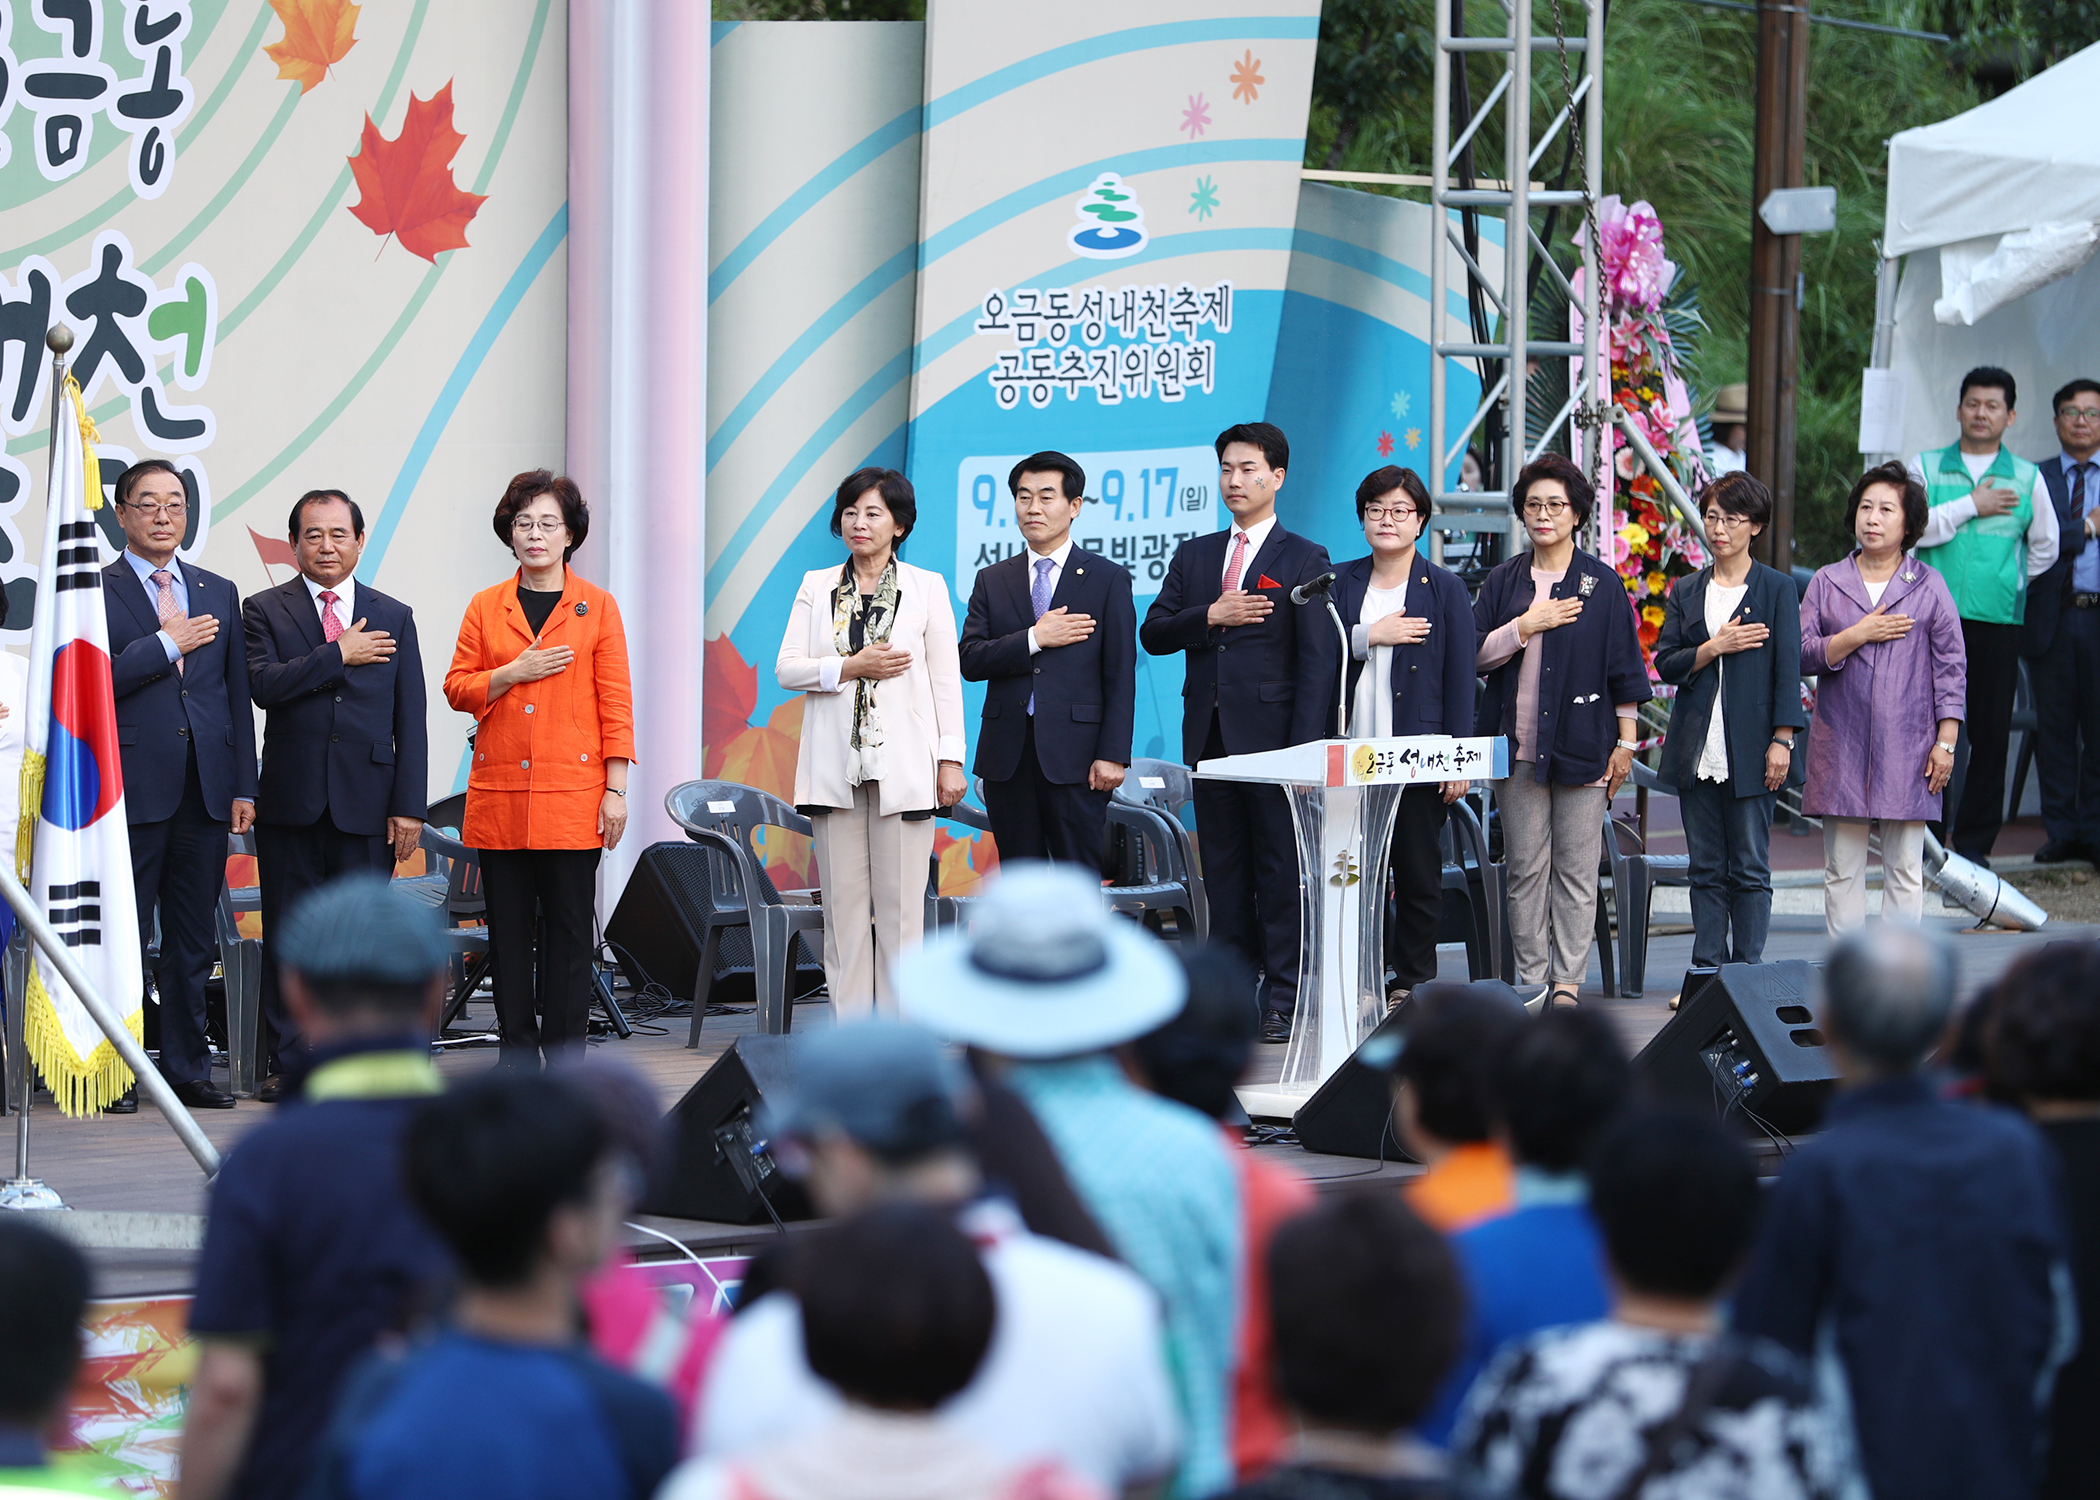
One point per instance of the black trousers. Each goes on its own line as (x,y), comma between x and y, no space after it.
(1250,874)
(1417,913)
(1994,666)
(1033,817)
(533,891)
(289,863)
(179,865)
(2067,712)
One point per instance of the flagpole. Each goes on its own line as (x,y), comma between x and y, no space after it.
(23,1191)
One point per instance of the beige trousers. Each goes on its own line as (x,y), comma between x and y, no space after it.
(873,869)
(1845,872)
(1552,838)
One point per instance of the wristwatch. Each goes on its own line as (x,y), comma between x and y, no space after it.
(617,791)
(1789,744)
(1943,745)
(1629,744)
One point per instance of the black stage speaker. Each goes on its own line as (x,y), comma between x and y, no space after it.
(658,931)
(1351,1114)
(720,1167)
(1745,1043)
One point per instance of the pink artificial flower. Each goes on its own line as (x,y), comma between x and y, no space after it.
(1636,273)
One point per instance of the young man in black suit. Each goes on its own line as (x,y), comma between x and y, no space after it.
(2061,639)
(1053,631)
(334,665)
(186,736)
(1260,675)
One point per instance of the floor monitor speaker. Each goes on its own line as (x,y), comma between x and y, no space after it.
(1746,1042)
(721,1169)
(659,931)
(1351,1114)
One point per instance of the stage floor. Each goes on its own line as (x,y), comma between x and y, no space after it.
(133,1164)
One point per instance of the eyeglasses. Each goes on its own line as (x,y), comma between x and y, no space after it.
(531,526)
(174,509)
(1720,520)
(1539,510)
(2079,414)
(1388,512)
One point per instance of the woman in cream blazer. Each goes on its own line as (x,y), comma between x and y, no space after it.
(872,648)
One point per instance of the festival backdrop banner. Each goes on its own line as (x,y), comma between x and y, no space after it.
(1352,359)
(302,244)
(813,233)
(1110,189)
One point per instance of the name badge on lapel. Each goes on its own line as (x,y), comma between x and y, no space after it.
(1587,587)
(582,609)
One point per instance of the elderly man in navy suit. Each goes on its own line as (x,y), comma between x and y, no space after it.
(2062,635)
(334,666)
(1260,675)
(1053,632)
(186,735)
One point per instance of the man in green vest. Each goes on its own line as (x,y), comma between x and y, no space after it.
(1989,530)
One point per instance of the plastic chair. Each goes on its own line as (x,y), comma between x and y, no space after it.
(1148,868)
(943,912)
(465,902)
(1634,874)
(241,965)
(1481,889)
(1164,788)
(723,816)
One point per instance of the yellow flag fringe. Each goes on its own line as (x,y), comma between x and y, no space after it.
(78,1087)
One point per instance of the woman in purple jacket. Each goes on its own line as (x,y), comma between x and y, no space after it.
(1879,630)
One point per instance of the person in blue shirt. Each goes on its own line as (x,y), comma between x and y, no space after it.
(312,1252)
(520,1177)
(1555,1085)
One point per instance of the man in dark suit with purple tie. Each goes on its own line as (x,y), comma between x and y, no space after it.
(186,736)
(1052,632)
(1260,675)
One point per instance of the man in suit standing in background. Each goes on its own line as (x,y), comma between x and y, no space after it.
(1053,632)
(2062,640)
(186,736)
(335,667)
(1260,675)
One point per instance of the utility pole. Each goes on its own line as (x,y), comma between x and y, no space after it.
(1775,265)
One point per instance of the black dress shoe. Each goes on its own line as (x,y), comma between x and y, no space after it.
(272,1089)
(1275,1026)
(198,1094)
(2057,851)
(126,1103)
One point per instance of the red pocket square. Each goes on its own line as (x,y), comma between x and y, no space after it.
(1268,583)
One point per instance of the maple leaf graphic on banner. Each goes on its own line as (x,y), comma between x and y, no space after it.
(407,182)
(317,34)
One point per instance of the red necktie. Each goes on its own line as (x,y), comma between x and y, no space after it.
(1236,562)
(331,623)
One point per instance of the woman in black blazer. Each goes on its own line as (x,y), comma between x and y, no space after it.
(1411,624)
(1731,642)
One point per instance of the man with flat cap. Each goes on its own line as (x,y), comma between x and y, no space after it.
(312,1251)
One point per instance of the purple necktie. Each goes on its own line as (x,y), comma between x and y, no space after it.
(1039,596)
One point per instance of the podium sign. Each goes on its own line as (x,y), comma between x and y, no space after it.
(1344,795)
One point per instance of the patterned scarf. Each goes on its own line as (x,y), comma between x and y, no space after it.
(865,762)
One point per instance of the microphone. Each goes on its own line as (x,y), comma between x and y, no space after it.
(1305,593)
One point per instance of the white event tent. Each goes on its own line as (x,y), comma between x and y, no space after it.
(1997,214)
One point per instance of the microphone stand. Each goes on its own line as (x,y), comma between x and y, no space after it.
(1341,705)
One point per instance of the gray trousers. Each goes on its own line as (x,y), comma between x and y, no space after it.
(1552,838)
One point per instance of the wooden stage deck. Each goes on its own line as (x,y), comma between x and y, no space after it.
(134,1163)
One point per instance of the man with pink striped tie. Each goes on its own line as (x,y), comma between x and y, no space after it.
(1260,675)
(186,738)
(334,665)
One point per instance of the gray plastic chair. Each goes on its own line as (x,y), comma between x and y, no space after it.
(1484,887)
(1634,874)
(241,966)
(1159,790)
(464,901)
(724,816)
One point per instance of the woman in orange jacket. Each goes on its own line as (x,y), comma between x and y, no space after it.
(542,666)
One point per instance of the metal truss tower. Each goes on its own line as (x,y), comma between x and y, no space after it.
(1494,329)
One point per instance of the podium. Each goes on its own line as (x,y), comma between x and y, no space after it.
(1344,795)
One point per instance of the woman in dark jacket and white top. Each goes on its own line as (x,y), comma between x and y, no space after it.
(1731,641)
(1562,659)
(1411,624)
